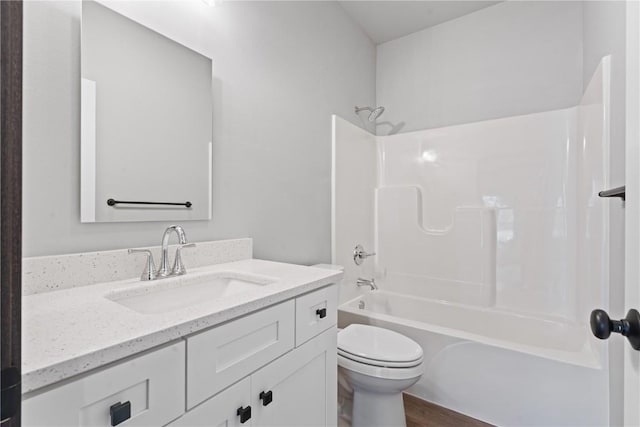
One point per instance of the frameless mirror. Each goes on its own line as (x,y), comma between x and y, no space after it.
(146,125)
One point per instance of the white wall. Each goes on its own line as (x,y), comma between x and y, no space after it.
(509,59)
(282,69)
(604,34)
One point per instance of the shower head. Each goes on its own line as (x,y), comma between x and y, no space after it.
(375,112)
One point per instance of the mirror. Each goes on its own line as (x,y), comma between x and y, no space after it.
(146,123)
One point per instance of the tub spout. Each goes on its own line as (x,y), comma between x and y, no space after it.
(367,282)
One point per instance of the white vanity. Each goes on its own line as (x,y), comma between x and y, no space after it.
(261,352)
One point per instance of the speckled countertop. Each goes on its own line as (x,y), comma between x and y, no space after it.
(71,331)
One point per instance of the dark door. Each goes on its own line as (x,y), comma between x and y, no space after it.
(10,208)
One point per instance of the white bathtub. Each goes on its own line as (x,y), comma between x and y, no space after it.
(501,367)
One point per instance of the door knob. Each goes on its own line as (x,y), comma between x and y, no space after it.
(602,326)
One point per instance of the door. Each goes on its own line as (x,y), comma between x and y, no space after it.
(230,408)
(299,389)
(10,208)
(632,209)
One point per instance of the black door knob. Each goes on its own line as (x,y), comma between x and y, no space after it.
(321,313)
(602,326)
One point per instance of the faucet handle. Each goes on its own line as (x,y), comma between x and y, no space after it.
(178,267)
(359,254)
(149,272)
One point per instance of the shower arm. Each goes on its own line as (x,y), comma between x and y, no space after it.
(359,109)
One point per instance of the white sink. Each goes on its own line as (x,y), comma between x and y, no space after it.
(175,293)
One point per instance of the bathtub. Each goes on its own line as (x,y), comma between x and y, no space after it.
(501,367)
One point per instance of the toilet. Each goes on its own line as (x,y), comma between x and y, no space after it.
(378,365)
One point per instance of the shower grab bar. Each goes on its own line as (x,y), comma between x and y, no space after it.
(113,202)
(614,192)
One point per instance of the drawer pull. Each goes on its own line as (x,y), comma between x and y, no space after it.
(244,414)
(266,397)
(321,313)
(120,412)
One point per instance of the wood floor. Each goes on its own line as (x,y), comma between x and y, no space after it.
(421,413)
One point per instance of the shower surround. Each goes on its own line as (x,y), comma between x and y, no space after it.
(492,249)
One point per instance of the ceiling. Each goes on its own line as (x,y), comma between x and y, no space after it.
(388,20)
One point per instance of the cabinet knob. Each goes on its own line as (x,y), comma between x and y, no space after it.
(120,412)
(266,397)
(321,313)
(244,414)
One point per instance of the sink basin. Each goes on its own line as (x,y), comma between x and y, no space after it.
(175,293)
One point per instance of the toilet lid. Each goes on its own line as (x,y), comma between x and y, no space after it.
(378,344)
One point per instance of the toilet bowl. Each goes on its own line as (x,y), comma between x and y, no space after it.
(378,365)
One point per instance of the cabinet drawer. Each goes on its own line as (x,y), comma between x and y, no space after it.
(221,356)
(152,384)
(315,313)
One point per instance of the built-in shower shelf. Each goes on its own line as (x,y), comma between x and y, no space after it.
(614,192)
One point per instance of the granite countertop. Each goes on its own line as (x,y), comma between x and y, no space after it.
(71,331)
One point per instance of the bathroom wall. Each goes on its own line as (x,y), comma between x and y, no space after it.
(509,59)
(604,34)
(281,69)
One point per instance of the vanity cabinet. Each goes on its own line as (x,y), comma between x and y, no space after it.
(297,389)
(273,367)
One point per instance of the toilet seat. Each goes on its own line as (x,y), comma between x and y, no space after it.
(379,371)
(378,346)
(379,363)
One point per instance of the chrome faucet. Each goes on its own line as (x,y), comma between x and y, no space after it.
(164,270)
(367,282)
(178,269)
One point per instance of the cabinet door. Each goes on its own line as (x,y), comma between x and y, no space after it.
(220,410)
(298,389)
